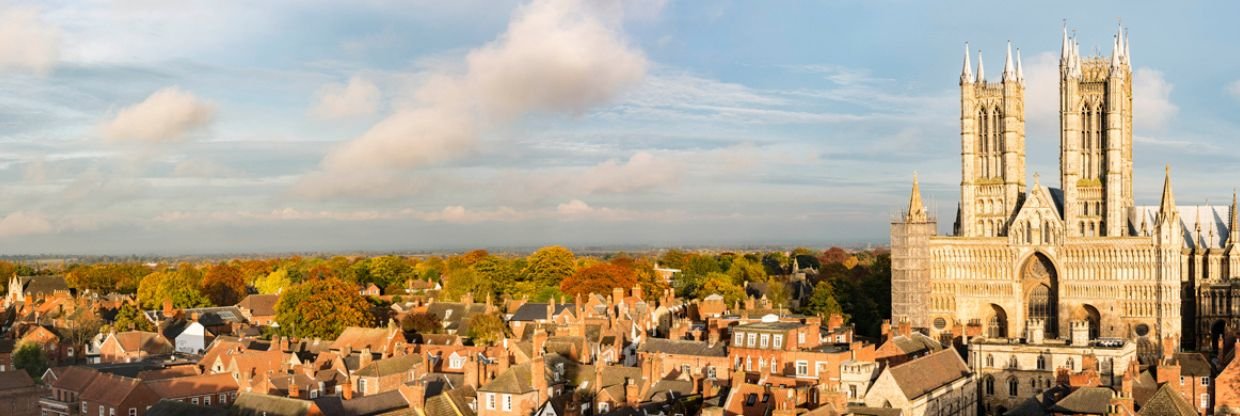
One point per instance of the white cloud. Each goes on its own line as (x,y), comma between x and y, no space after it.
(24,223)
(1233,88)
(574,207)
(167,115)
(560,56)
(642,171)
(26,42)
(1042,94)
(359,97)
(1151,96)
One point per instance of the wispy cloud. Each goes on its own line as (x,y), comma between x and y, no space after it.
(27,42)
(359,97)
(166,115)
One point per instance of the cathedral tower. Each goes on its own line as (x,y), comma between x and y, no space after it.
(992,141)
(910,261)
(1095,118)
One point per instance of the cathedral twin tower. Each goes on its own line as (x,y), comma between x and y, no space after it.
(1084,254)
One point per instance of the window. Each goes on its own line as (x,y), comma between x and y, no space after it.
(684,369)
(206,400)
(194,400)
(456,361)
(990,360)
(83,407)
(774,365)
(1072,364)
(1013,387)
(753,339)
(223,398)
(748,363)
(751,399)
(1205,400)
(1012,363)
(710,373)
(989,384)
(800,337)
(821,368)
(802,368)
(1205,381)
(361,386)
(779,341)
(1181,380)
(507,402)
(766,338)
(133,411)
(1041,362)
(314,393)
(603,407)
(491,401)
(852,391)
(101,410)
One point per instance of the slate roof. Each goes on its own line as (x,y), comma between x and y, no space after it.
(916,343)
(1167,402)
(43,285)
(669,389)
(1192,364)
(1085,400)
(260,305)
(668,346)
(250,404)
(385,403)
(538,311)
(923,375)
(387,366)
(518,379)
(179,408)
(15,380)
(455,315)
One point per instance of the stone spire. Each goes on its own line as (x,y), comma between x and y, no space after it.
(1020,72)
(1115,52)
(966,73)
(1009,69)
(1198,239)
(1127,43)
(916,209)
(1166,208)
(981,69)
(1065,49)
(1233,222)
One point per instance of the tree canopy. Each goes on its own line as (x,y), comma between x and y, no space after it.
(30,357)
(600,278)
(181,286)
(321,308)
(224,284)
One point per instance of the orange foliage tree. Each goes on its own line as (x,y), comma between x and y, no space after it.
(600,278)
(224,284)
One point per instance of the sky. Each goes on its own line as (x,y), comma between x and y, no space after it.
(200,127)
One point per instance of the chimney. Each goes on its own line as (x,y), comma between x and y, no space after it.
(346,390)
(468,299)
(637,291)
(906,328)
(617,294)
(169,311)
(1090,362)
(1169,373)
(540,341)
(1080,333)
(551,309)
(471,370)
(835,321)
(538,375)
(284,344)
(364,357)
(631,392)
(415,394)
(1169,346)
(712,336)
(885,331)
(293,390)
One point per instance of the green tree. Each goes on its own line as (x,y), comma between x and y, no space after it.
(30,357)
(822,301)
(224,285)
(181,286)
(486,329)
(721,284)
(461,281)
(386,270)
(744,270)
(273,282)
(129,318)
(550,265)
(777,292)
(321,308)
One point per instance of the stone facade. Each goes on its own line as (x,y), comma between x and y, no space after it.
(1080,252)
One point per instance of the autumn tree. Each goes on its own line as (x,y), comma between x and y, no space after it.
(321,308)
(778,293)
(486,329)
(721,284)
(674,258)
(273,282)
(422,323)
(224,285)
(744,270)
(107,277)
(600,278)
(80,325)
(461,281)
(387,270)
(651,282)
(833,255)
(129,318)
(181,286)
(30,357)
(550,265)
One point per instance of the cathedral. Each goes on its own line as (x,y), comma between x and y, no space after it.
(1080,254)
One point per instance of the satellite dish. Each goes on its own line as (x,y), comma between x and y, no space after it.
(770,317)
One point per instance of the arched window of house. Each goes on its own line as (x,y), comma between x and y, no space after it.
(989,385)
(1041,362)
(1013,387)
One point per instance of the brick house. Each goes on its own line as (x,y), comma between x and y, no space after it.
(133,346)
(18,394)
(1189,373)
(213,390)
(387,374)
(259,309)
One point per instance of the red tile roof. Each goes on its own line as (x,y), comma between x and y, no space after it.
(180,387)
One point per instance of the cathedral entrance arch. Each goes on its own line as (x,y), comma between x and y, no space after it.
(1089,313)
(1217,331)
(1041,289)
(996,322)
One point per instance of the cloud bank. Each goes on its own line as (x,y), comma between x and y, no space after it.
(167,115)
(27,43)
(556,56)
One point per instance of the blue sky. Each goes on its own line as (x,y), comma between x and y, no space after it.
(146,126)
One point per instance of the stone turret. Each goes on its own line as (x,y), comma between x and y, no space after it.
(910,252)
(1080,333)
(1035,331)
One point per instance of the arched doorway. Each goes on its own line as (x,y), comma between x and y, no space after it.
(996,322)
(1041,288)
(1217,330)
(1090,314)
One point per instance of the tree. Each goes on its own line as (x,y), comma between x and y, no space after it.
(461,281)
(81,325)
(321,308)
(600,278)
(486,329)
(550,265)
(745,270)
(822,301)
(224,285)
(833,255)
(721,284)
(674,258)
(180,286)
(386,270)
(652,283)
(30,357)
(273,282)
(777,292)
(422,323)
(129,318)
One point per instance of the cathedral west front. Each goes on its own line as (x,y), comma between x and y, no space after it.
(1080,254)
